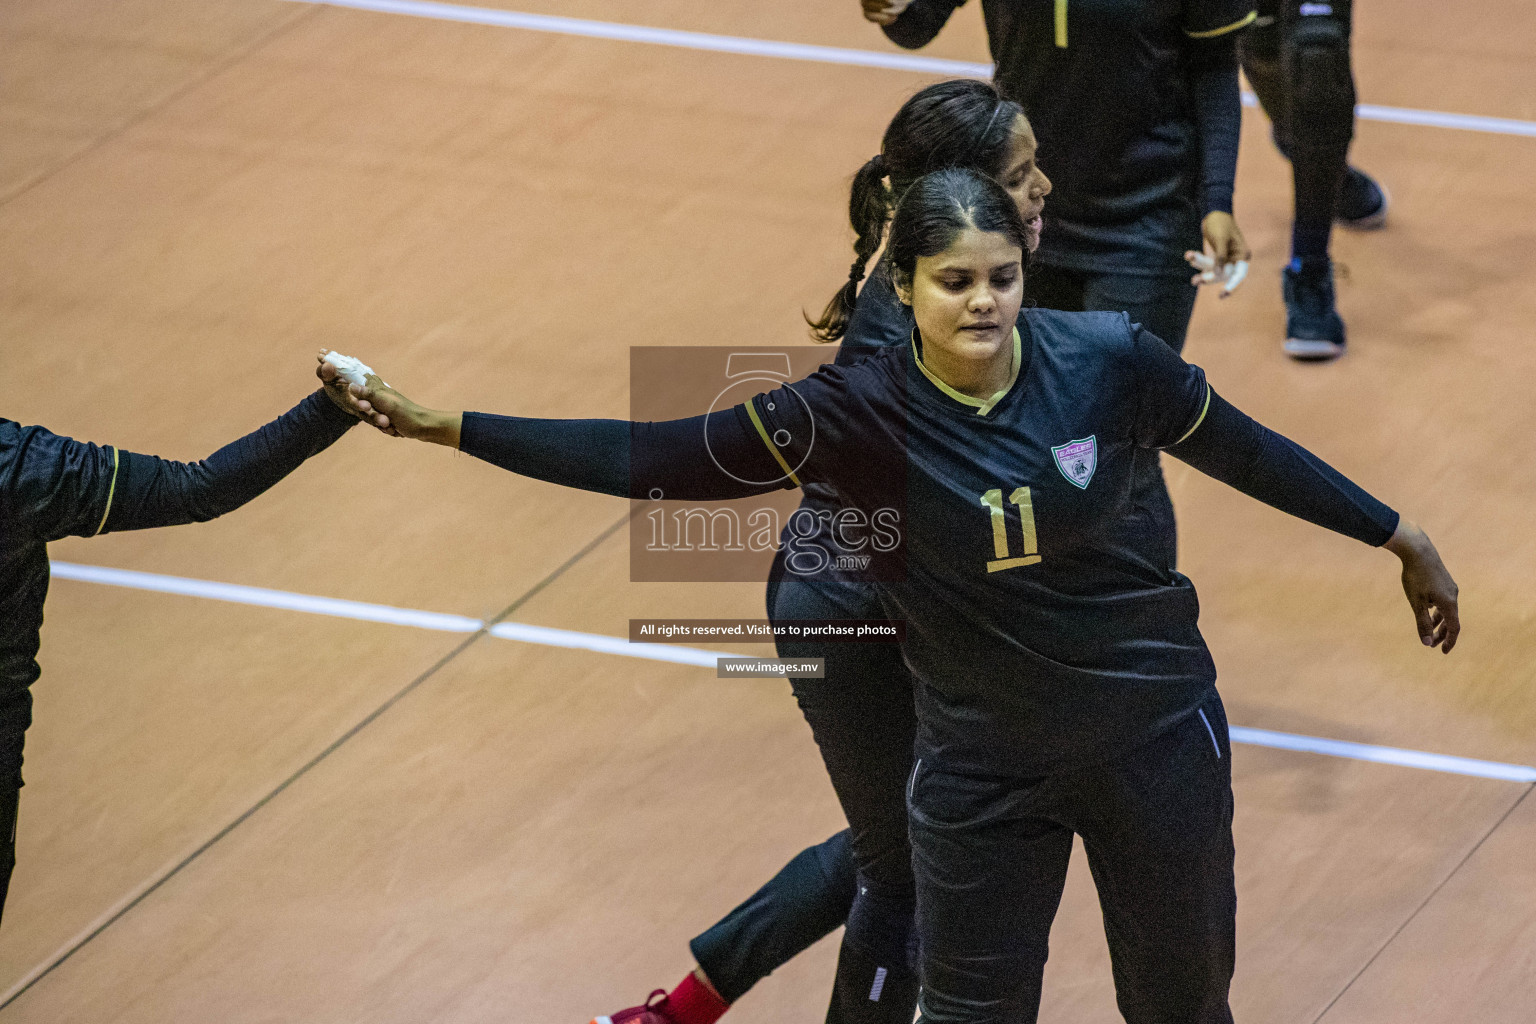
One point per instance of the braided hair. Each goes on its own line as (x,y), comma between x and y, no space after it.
(959,123)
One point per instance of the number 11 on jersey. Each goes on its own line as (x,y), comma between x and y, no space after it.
(993,500)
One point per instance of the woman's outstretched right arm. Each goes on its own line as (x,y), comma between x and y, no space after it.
(701,458)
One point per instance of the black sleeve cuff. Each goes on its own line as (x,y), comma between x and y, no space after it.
(917,26)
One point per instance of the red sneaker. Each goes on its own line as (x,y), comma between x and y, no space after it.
(650,1013)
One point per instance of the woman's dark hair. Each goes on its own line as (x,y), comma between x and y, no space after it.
(961,123)
(938,206)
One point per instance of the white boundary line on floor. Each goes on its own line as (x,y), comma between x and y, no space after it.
(549,637)
(834,54)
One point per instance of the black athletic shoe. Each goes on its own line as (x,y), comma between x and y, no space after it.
(1313,328)
(1362,201)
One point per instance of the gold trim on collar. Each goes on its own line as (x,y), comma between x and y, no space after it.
(982,407)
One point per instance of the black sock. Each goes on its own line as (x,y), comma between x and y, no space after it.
(1309,239)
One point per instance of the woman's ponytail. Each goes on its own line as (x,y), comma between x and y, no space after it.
(869,205)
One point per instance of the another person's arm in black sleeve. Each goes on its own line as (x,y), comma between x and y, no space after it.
(52,486)
(1218,117)
(1210,67)
(150,491)
(752,448)
(920,22)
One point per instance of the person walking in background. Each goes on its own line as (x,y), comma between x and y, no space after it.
(1297,58)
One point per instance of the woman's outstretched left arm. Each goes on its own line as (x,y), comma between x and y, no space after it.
(1235,449)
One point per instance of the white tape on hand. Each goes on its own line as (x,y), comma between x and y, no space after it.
(1228,275)
(353,371)
(1235,273)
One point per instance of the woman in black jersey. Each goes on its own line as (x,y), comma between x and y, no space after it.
(860,712)
(53,487)
(1137,108)
(1062,683)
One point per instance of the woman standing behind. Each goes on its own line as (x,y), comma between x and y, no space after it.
(1137,109)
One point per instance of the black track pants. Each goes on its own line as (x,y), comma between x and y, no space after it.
(862,719)
(991,860)
(808,899)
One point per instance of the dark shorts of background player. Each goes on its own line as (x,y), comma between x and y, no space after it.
(1163,304)
(991,861)
(861,716)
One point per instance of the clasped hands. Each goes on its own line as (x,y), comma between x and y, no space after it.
(354,387)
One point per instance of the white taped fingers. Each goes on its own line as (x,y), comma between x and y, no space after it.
(353,371)
(1228,275)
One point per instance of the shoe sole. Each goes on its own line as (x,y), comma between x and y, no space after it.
(1312,350)
(1372,221)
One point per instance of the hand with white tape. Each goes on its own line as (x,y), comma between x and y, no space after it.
(338,373)
(1229,276)
(374,402)
(1226,255)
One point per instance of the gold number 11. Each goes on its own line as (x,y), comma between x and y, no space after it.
(993,499)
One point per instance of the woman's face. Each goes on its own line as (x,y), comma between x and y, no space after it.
(1024,180)
(965,300)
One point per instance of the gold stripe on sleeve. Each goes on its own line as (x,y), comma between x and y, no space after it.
(1061,24)
(1198,420)
(762,432)
(111,490)
(1242,22)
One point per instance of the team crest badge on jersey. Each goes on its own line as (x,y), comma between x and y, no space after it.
(1078,459)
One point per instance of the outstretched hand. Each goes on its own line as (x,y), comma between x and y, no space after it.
(391,412)
(1431,592)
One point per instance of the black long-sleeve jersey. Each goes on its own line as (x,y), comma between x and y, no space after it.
(1045,622)
(53,487)
(1135,105)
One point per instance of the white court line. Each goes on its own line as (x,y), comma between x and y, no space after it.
(664,36)
(265,598)
(549,637)
(1384,755)
(605,644)
(835,55)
